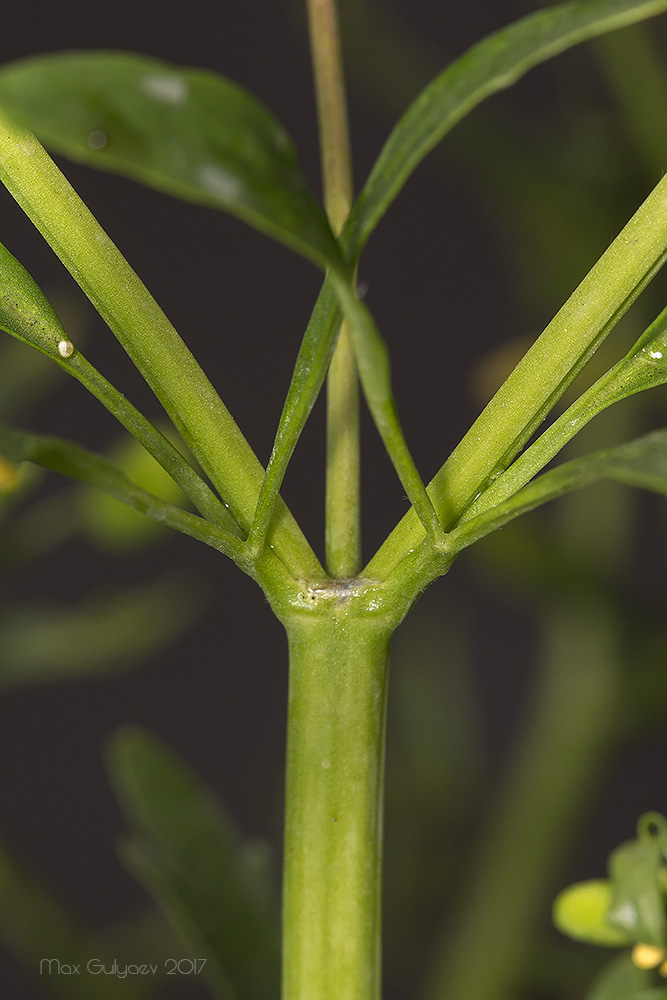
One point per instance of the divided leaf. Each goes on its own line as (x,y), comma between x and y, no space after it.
(188,132)
(186,851)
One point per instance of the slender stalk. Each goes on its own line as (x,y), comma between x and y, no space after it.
(542,375)
(333,820)
(170,369)
(343,491)
(342,505)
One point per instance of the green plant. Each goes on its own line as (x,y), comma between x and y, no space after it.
(626,910)
(196,135)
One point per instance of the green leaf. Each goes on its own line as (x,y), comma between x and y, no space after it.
(307,380)
(641,463)
(375,374)
(49,644)
(638,903)
(580,911)
(643,367)
(187,852)
(622,980)
(115,526)
(36,926)
(169,368)
(71,460)
(27,315)
(25,312)
(188,132)
(493,64)
(308,377)
(540,378)
(154,441)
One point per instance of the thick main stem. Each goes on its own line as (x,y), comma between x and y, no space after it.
(333,818)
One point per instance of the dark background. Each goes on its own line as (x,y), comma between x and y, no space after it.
(444,282)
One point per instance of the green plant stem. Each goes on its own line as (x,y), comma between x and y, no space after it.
(331,110)
(542,375)
(168,366)
(343,492)
(342,504)
(333,817)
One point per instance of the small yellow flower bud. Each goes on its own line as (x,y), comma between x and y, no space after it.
(647,956)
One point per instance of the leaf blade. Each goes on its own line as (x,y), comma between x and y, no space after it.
(51,644)
(188,132)
(493,64)
(186,849)
(375,376)
(307,379)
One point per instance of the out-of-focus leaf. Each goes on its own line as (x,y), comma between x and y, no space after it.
(71,460)
(492,65)
(621,980)
(9,476)
(35,927)
(114,525)
(638,903)
(97,637)
(187,852)
(188,132)
(580,911)
(24,378)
